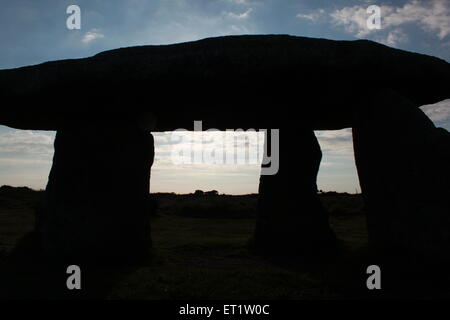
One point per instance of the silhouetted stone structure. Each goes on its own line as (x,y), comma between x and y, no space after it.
(97,188)
(291,218)
(96,202)
(404,172)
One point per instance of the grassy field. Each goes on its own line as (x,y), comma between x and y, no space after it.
(202,246)
(201,251)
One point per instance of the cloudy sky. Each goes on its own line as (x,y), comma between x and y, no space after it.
(35,31)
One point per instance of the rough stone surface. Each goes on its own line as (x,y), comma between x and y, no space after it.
(291,219)
(403,164)
(96,203)
(217,78)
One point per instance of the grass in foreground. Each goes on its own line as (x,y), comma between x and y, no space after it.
(200,252)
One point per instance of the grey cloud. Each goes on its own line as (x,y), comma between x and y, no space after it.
(438,112)
(432,16)
(336,142)
(26,142)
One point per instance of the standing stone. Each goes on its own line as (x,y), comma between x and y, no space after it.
(96,203)
(403,164)
(291,219)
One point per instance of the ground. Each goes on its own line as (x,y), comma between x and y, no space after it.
(202,250)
